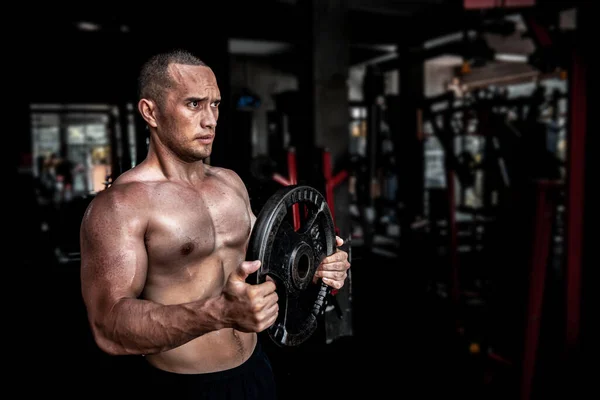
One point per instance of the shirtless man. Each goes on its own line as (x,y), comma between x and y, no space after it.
(163,250)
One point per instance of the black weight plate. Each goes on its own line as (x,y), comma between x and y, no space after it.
(291,256)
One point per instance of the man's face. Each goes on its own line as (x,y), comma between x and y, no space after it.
(188,117)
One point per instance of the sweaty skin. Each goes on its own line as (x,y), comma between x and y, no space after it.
(173,244)
(163,248)
(159,245)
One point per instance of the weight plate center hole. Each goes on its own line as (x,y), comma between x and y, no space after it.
(303,266)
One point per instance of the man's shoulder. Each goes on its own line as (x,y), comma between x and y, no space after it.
(226,174)
(121,195)
(134,183)
(231,179)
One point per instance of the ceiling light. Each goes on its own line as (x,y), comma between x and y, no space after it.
(88,26)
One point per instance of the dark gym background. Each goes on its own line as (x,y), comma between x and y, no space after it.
(453,139)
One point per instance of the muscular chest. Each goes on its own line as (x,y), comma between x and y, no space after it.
(188,225)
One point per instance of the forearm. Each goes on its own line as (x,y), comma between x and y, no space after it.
(136,326)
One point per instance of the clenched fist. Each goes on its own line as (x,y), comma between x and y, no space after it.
(248,307)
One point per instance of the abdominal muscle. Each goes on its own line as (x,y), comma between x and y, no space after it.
(214,351)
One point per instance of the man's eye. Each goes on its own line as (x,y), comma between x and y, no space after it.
(215,104)
(194,104)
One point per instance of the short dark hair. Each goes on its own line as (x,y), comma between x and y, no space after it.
(154,76)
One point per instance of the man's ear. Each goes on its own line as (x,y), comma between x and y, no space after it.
(147,109)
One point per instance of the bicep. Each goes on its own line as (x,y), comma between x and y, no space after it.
(113,257)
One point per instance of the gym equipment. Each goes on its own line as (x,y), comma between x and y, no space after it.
(290,250)
(264,169)
(547,193)
(331,180)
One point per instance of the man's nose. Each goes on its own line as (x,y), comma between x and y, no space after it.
(209,120)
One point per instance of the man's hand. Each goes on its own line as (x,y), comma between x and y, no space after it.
(334,269)
(246,307)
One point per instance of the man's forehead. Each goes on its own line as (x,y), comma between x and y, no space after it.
(192,74)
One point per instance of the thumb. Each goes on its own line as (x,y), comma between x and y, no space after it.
(339,241)
(246,268)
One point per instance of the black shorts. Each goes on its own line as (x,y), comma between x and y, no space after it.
(253,379)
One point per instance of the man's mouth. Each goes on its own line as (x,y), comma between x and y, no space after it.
(206,138)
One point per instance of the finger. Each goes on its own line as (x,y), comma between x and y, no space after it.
(333,275)
(335,266)
(339,241)
(273,308)
(265,289)
(338,256)
(342,266)
(333,283)
(273,318)
(246,268)
(269,315)
(271,300)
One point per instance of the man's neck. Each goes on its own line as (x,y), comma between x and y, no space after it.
(173,168)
